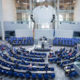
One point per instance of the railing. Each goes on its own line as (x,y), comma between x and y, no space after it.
(16,22)
(69,22)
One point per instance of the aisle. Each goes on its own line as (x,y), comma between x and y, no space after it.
(59,73)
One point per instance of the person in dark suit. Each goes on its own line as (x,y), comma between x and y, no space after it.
(42,45)
(46,68)
(28,72)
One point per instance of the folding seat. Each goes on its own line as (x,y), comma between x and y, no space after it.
(10,73)
(70,43)
(41,64)
(54,42)
(0,71)
(66,42)
(23,43)
(41,69)
(27,76)
(17,43)
(26,42)
(73,74)
(16,74)
(38,60)
(50,60)
(46,77)
(34,69)
(21,75)
(52,75)
(40,77)
(34,76)
(51,69)
(59,42)
(7,39)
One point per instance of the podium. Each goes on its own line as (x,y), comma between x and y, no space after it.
(43,45)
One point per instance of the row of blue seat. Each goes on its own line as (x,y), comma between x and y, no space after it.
(28,76)
(20,58)
(65,41)
(20,41)
(25,67)
(64,60)
(46,76)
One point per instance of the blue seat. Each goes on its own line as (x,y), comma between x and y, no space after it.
(21,75)
(52,76)
(10,73)
(15,74)
(27,76)
(40,76)
(51,69)
(46,77)
(34,69)
(33,76)
(73,74)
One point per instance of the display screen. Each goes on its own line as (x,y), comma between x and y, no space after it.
(76,34)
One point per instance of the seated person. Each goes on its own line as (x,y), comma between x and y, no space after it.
(29,72)
(50,55)
(30,65)
(23,61)
(70,54)
(70,50)
(12,68)
(46,68)
(16,64)
(42,45)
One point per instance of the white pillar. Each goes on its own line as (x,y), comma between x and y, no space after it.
(30,22)
(2,22)
(58,1)
(9,10)
(77,11)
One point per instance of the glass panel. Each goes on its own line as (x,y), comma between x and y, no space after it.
(22,4)
(23,17)
(66,12)
(23,10)
(41,2)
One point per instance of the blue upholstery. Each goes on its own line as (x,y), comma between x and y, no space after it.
(15,74)
(40,76)
(20,41)
(52,76)
(73,74)
(46,76)
(65,41)
(21,75)
(33,76)
(13,64)
(27,76)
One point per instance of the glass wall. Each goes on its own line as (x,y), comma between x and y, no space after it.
(23,10)
(66,10)
(38,2)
